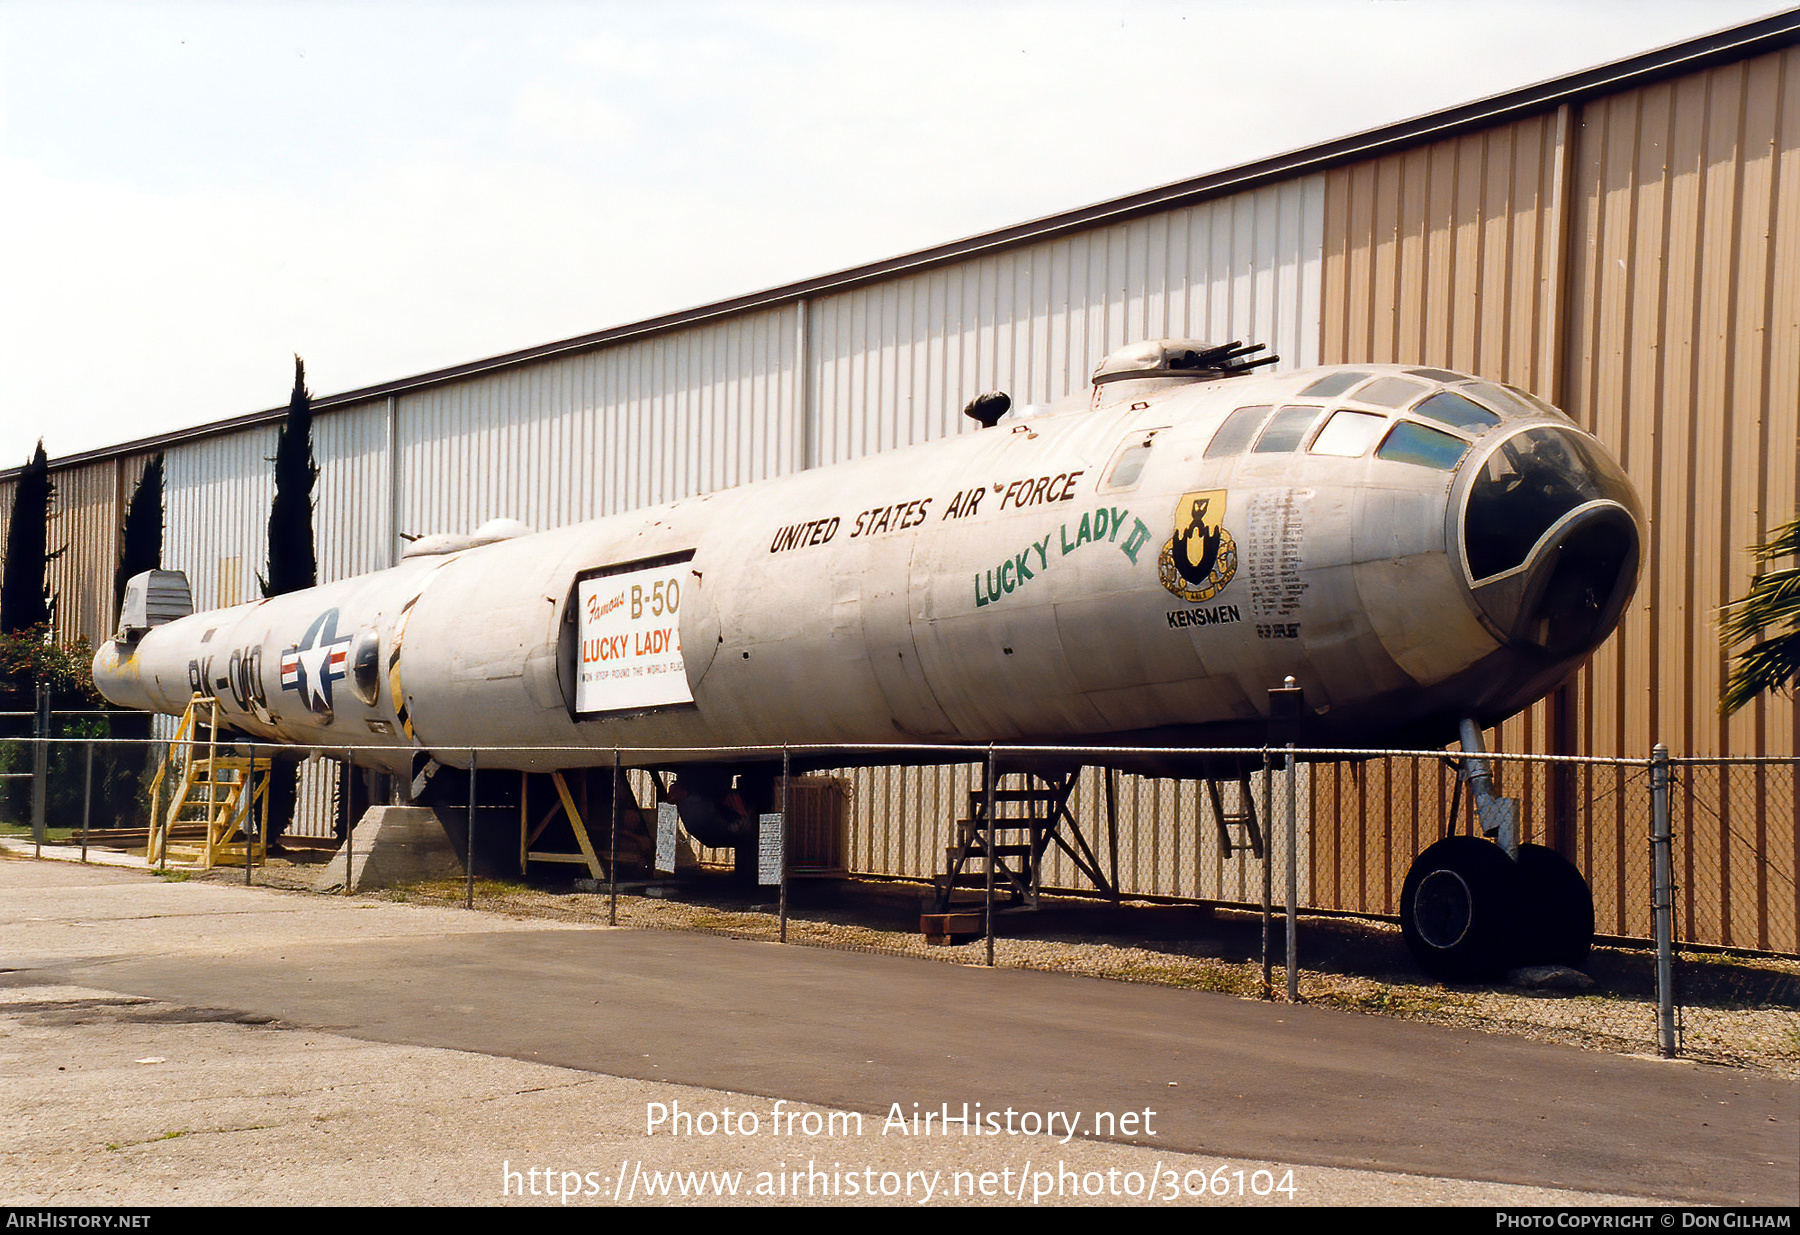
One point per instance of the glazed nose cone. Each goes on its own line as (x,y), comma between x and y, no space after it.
(1552,537)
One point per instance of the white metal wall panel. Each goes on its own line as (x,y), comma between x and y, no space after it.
(573,438)
(351,535)
(216,526)
(894,362)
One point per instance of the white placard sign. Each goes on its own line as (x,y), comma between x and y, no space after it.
(630,650)
(665,838)
(768,856)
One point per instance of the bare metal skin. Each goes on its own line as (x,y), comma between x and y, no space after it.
(1087,575)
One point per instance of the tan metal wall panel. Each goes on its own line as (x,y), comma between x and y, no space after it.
(86,524)
(1664,314)
(84,533)
(1681,358)
(1438,255)
(1444,255)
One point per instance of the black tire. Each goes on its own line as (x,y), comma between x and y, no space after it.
(1459,909)
(1556,910)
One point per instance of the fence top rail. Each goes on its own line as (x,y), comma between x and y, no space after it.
(975,750)
(905,751)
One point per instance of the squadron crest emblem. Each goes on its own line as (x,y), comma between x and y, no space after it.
(1201,558)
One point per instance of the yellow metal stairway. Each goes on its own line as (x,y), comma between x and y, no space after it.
(223,792)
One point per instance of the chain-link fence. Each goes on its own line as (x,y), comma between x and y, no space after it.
(1735,832)
(1357,825)
(1341,830)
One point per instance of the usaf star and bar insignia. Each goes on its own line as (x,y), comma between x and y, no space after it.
(321,658)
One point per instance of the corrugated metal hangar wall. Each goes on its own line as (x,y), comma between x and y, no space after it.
(1625,242)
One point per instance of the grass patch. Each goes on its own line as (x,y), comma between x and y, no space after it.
(1404,1001)
(52,835)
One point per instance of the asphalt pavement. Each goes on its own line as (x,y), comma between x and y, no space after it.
(186,1042)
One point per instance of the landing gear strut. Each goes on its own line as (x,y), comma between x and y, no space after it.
(1471,909)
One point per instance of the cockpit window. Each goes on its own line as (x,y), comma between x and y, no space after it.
(1348,434)
(1332,384)
(1414,443)
(1546,408)
(1437,375)
(1283,434)
(1533,479)
(1448,407)
(1236,432)
(1391,391)
(1507,402)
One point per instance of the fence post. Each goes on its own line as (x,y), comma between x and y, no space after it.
(349,849)
(469,885)
(1663,901)
(1284,727)
(247,824)
(612,858)
(786,768)
(87,797)
(1268,873)
(1293,886)
(988,905)
(40,768)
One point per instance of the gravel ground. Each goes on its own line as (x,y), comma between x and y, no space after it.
(1733,1011)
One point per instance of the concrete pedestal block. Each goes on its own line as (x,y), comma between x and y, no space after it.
(389,845)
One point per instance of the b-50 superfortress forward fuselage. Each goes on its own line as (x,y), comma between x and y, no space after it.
(1415,547)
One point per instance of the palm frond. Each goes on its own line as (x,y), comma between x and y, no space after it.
(1772,603)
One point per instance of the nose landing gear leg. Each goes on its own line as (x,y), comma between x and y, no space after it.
(1471,909)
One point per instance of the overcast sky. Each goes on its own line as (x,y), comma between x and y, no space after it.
(192,193)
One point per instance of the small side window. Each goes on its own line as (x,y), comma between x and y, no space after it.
(1128,462)
(365,667)
(1236,432)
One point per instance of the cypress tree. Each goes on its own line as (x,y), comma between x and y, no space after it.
(25,610)
(292,565)
(143,530)
(24,597)
(143,537)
